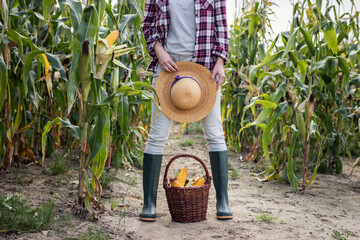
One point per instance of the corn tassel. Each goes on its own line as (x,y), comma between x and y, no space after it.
(181,178)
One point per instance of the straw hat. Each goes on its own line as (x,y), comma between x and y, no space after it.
(187,95)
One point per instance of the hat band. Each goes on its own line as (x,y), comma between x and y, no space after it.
(178,78)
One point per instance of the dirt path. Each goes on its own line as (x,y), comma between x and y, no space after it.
(332,203)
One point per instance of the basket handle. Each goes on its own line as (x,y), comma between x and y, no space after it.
(208,178)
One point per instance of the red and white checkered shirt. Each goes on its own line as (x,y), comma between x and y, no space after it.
(211,30)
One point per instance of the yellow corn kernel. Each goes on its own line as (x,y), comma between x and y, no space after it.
(181,178)
(111,38)
(174,183)
(199,182)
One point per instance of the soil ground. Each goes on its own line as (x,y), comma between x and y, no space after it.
(331,204)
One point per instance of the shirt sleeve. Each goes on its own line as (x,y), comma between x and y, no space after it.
(221,44)
(150,33)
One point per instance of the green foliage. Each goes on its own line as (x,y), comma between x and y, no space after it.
(59,167)
(187,143)
(234,174)
(266,217)
(339,236)
(194,127)
(114,203)
(107,178)
(17,216)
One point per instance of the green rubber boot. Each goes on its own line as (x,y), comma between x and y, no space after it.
(219,169)
(151,174)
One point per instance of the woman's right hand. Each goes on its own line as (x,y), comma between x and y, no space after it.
(165,60)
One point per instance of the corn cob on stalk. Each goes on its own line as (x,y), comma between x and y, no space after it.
(174,183)
(181,178)
(111,38)
(104,44)
(84,70)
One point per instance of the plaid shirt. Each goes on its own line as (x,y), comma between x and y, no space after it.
(211,30)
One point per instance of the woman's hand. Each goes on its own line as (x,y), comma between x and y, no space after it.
(218,72)
(165,60)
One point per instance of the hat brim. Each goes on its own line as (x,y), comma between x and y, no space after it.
(208,92)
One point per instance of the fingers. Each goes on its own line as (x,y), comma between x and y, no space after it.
(214,73)
(169,66)
(219,76)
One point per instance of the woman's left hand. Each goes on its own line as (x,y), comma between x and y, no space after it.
(218,72)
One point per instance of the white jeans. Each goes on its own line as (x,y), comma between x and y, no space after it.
(161,125)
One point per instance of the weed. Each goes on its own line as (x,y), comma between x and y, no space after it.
(59,167)
(16,216)
(122,214)
(107,178)
(187,143)
(337,235)
(114,203)
(203,142)
(195,127)
(234,174)
(91,235)
(266,217)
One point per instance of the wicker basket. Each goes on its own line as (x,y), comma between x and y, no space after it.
(187,204)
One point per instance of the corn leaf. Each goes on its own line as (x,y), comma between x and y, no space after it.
(3,81)
(15,36)
(330,37)
(74,130)
(254,22)
(75,11)
(308,41)
(291,43)
(123,114)
(26,72)
(103,126)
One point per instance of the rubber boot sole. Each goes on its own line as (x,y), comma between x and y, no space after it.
(224,217)
(147,219)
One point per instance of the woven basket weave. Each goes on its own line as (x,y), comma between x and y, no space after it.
(187,204)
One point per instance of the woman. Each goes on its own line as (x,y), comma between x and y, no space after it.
(186,30)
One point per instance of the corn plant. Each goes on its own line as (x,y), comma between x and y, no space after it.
(303,95)
(247,42)
(64,82)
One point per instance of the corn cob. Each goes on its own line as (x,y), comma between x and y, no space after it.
(181,178)
(199,182)
(192,180)
(111,38)
(174,183)
(83,69)
(104,44)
